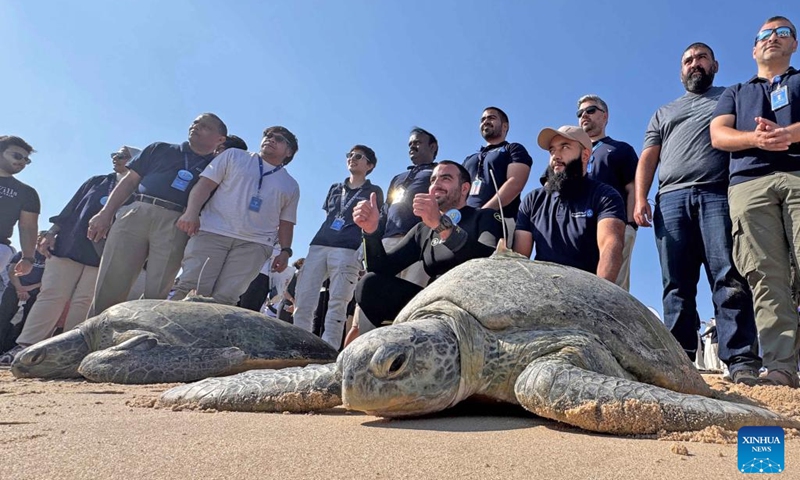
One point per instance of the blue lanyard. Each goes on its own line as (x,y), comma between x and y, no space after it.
(590,167)
(262,174)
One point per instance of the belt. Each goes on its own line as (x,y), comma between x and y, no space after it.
(158,202)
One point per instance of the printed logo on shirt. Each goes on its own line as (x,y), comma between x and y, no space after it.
(8,192)
(589,213)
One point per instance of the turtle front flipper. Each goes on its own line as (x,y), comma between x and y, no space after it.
(554,387)
(307,389)
(142,360)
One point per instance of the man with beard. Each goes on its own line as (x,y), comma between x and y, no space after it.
(510,164)
(572,220)
(758,121)
(18,203)
(691,219)
(450,233)
(613,162)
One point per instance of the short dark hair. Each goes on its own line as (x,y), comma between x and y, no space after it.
(232,141)
(463,173)
(222,129)
(503,115)
(700,45)
(777,18)
(369,153)
(288,136)
(11,140)
(431,138)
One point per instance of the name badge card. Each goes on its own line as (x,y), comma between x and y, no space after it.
(779,98)
(476,187)
(255,204)
(182,180)
(337,224)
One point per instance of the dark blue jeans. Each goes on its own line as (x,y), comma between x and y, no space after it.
(693,229)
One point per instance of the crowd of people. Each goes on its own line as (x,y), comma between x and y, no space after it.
(727,185)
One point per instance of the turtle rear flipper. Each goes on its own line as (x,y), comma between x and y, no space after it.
(555,388)
(307,389)
(142,359)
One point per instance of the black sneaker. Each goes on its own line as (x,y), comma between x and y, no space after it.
(745,375)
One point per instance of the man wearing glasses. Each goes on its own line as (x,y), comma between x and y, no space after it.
(18,203)
(758,122)
(162,176)
(334,251)
(254,206)
(692,221)
(612,162)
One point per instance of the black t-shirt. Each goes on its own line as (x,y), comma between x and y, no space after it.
(159,164)
(496,158)
(15,197)
(474,236)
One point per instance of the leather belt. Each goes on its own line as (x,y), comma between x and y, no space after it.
(158,202)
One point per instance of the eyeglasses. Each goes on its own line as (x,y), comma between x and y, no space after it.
(119,156)
(277,138)
(18,156)
(590,110)
(355,155)
(781,32)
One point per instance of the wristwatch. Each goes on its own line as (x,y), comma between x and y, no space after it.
(445,222)
(287,250)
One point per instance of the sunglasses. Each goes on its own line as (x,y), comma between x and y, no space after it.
(119,156)
(590,110)
(18,156)
(781,32)
(355,155)
(277,138)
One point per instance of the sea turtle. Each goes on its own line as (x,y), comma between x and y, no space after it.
(157,341)
(561,342)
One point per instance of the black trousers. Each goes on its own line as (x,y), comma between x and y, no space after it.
(256,293)
(381,297)
(9,305)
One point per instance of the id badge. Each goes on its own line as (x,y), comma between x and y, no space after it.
(255,204)
(779,98)
(103,199)
(182,180)
(337,224)
(476,187)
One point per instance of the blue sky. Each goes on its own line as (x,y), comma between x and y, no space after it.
(82,78)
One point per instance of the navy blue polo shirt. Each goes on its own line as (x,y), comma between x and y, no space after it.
(750,100)
(496,158)
(564,228)
(35,275)
(398,213)
(341,195)
(614,163)
(158,165)
(73,221)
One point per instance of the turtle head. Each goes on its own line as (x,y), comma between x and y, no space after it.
(402,370)
(56,357)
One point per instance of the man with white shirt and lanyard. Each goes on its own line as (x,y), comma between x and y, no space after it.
(334,251)
(162,176)
(253,207)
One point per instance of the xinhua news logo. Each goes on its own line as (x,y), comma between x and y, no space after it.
(761,450)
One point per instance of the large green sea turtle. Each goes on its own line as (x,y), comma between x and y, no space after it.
(562,343)
(157,341)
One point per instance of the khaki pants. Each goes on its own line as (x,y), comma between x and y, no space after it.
(63,281)
(230,267)
(765,213)
(142,232)
(624,277)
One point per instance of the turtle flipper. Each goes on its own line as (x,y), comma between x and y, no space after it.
(142,359)
(555,388)
(306,389)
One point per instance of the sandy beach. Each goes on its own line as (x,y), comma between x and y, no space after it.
(76,429)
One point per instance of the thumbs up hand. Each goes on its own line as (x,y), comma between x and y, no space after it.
(366,214)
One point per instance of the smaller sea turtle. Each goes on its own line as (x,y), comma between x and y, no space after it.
(561,342)
(159,341)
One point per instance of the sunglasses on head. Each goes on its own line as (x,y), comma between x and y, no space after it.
(277,138)
(18,156)
(356,155)
(590,110)
(781,32)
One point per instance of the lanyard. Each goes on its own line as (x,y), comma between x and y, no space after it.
(344,206)
(590,167)
(262,174)
(482,158)
(413,173)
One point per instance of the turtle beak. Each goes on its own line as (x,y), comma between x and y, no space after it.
(57,357)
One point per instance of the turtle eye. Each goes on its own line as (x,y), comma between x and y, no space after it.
(397,364)
(389,361)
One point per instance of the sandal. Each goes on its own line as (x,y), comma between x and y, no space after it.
(780,378)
